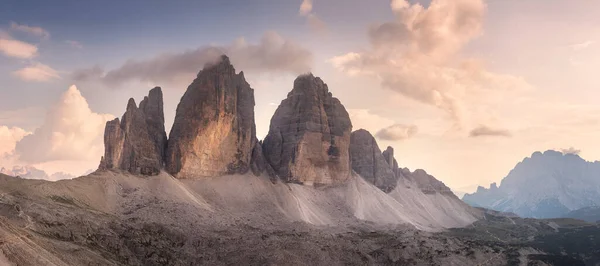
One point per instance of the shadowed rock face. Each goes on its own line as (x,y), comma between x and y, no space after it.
(309,136)
(136,143)
(214,131)
(370,163)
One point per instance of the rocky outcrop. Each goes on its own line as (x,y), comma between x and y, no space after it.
(368,161)
(426,182)
(259,164)
(214,132)
(388,154)
(309,136)
(136,143)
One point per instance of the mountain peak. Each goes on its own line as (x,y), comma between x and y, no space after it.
(546,185)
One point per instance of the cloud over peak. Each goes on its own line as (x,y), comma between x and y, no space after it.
(273,54)
(571,150)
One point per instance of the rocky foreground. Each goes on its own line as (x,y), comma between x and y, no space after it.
(112,218)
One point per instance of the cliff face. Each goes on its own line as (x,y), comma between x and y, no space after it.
(370,163)
(136,143)
(309,136)
(214,132)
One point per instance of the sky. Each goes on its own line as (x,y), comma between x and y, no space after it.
(464,89)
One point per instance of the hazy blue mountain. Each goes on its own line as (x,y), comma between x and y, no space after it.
(588,214)
(545,185)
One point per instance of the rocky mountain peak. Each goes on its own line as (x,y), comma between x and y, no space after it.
(214,132)
(545,185)
(222,65)
(309,136)
(136,143)
(369,162)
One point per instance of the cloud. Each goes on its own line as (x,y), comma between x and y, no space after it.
(9,138)
(397,132)
(18,49)
(581,46)
(364,119)
(314,22)
(571,151)
(418,55)
(274,54)
(485,131)
(37,72)
(74,44)
(36,31)
(306,7)
(71,131)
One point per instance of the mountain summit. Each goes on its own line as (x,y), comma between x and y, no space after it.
(309,137)
(545,185)
(214,131)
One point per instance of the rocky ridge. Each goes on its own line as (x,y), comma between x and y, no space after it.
(214,134)
(545,185)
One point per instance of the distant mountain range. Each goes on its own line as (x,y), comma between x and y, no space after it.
(545,185)
(30,172)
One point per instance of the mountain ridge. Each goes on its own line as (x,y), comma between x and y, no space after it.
(544,185)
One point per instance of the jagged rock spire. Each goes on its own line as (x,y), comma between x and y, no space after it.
(136,143)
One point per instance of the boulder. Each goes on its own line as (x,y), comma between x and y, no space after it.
(214,132)
(309,136)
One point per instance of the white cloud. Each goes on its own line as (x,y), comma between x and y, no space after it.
(74,44)
(581,46)
(9,138)
(18,49)
(274,54)
(37,72)
(36,31)
(364,119)
(571,150)
(314,22)
(71,131)
(306,7)
(418,56)
(397,132)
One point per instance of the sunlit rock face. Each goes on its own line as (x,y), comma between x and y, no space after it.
(137,142)
(214,132)
(309,136)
